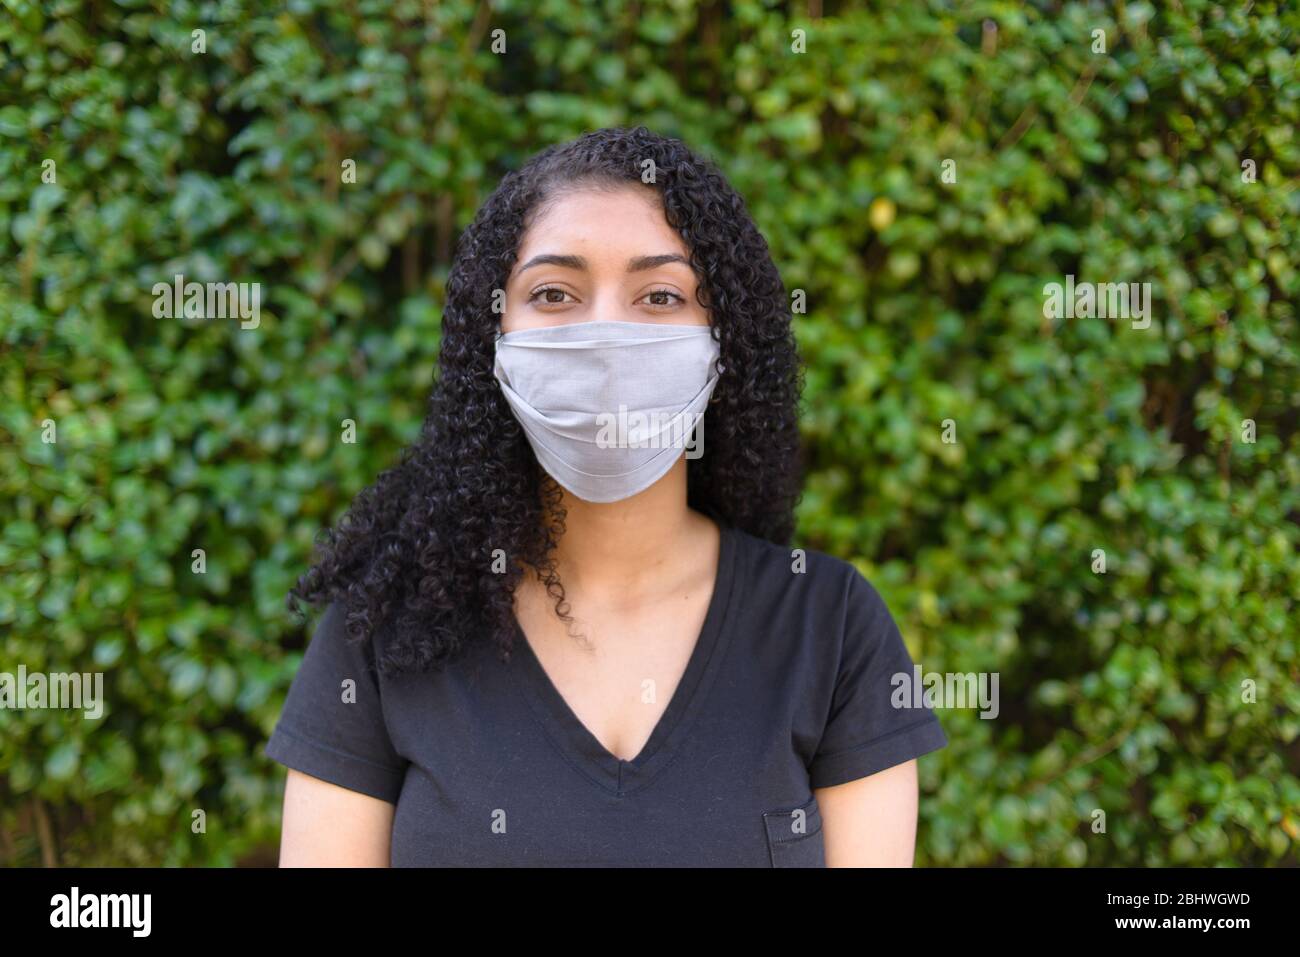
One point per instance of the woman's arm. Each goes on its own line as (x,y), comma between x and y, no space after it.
(871,822)
(329,826)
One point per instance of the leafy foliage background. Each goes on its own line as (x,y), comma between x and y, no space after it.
(1120,692)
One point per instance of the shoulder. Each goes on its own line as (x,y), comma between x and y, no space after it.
(821,648)
(332,626)
(807,601)
(815,575)
(338,641)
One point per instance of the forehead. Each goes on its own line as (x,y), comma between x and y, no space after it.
(603,222)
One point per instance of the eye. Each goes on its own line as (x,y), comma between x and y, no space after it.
(548,296)
(663,298)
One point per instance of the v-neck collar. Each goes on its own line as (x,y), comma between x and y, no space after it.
(581,748)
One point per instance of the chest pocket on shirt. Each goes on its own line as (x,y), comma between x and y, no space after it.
(794,835)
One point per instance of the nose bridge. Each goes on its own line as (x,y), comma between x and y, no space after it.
(608,296)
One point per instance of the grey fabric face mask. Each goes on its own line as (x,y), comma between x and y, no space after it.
(608,407)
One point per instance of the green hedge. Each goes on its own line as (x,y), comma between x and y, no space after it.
(1121,692)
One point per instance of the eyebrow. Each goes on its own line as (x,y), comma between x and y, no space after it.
(636,264)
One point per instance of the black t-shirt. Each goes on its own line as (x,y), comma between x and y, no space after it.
(788,689)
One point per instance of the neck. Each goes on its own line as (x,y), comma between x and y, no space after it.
(633,547)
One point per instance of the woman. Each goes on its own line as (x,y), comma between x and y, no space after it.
(567,628)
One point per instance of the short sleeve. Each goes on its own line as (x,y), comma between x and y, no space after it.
(875,721)
(332,725)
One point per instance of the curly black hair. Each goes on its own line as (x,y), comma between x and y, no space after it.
(414,552)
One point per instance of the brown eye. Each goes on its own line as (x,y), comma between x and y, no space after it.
(548,295)
(662,298)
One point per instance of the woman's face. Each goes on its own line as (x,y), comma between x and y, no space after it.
(601,254)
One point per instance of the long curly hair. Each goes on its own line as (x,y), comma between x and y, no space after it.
(414,553)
